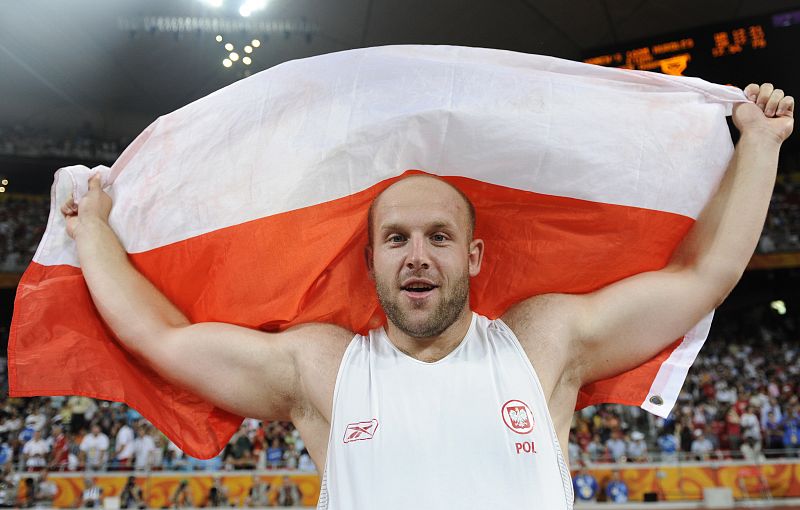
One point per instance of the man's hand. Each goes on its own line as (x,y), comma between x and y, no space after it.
(771,113)
(94,206)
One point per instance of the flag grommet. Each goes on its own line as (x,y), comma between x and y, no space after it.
(656,400)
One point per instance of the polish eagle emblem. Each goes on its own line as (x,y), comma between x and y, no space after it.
(517,416)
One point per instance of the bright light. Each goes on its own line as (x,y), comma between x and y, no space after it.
(779,306)
(214,3)
(256,43)
(248,49)
(218,38)
(2,189)
(229,46)
(227,63)
(245,10)
(247,61)
(234,56)
(5,182)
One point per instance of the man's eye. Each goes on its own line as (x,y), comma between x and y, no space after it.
(396,238)
(439,238)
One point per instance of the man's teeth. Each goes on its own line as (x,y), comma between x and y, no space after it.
(418,288)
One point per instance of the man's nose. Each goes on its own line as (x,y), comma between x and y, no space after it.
(418,256)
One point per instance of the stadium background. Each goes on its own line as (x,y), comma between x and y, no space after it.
(80,79)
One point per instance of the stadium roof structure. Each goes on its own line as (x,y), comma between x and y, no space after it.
(118,65)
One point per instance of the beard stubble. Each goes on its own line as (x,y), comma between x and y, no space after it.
(442,317)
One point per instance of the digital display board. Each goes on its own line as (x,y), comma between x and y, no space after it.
(753,50)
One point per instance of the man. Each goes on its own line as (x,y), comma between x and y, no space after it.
(464,410)
(124,447)
(59,456)
(35,452)
(143,449)
(94,449)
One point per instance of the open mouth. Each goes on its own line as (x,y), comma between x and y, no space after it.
(418,288)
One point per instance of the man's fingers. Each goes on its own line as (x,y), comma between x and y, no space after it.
(785,107)
(772,103)
(751,91)
(94,182)
(69,207)
(763,95)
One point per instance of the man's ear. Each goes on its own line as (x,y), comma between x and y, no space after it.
(475,256)
(368,259)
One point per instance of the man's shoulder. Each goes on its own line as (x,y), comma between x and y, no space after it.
(317,336)
(542,317)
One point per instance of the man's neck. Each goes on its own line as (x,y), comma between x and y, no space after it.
(434,348)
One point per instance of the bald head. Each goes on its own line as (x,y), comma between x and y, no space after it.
(415,190)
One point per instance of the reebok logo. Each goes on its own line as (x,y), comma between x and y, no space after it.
(360,431)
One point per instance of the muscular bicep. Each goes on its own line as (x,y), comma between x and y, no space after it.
(626,323)
(244,371)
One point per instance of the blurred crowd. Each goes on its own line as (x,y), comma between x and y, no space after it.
(740,400)
(22,222)
(27,142)
(79,433)
(782,229)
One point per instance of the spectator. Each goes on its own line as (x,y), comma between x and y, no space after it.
(59,455)
(183,496)
(94,449)
(92,495)
(240,453)
(751,426)
(131,495)
(596,450)
(668,444)
(289,493)
(124,447)
(259,494)
(144,449)
(45,491)
(791,432)
(637,448)
(701,446)
(274,454)
(751,450)
(774,431)
(35,452)
(291,457)
(733,429)
(617,446)
(217,494)
(305,463)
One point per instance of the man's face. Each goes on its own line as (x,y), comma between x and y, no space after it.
(421,256)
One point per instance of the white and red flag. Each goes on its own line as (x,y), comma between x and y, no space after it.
(249,206)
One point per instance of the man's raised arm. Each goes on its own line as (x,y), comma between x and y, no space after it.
(624,324)
(244,371)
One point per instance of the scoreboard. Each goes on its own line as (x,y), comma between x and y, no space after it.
(753,50)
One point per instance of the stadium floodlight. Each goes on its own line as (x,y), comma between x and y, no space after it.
(247,61)
(227,63)
(2,189)
(5,182)
(233,56)
(251,6)
(256,43)
(248,49)
(779,306)
(218,38)
(229,47)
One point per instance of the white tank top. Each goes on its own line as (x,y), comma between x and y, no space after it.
(470,431)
